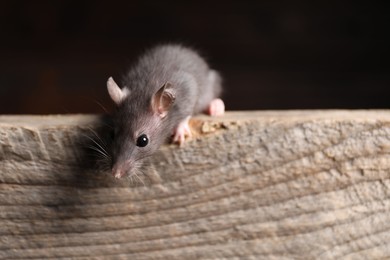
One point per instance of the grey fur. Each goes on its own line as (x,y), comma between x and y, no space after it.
(195,85)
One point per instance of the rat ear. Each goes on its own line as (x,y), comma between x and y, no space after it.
(117,95)
(163,99)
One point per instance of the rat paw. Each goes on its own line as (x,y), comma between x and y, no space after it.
(182,131)
(216,107)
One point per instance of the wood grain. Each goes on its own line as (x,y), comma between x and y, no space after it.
(249,185)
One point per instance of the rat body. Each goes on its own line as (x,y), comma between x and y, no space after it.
(165,87)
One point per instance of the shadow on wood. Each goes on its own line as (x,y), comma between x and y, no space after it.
(287,184)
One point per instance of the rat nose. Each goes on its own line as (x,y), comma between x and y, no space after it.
(118,172)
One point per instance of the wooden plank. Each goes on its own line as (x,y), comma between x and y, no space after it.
(251,185)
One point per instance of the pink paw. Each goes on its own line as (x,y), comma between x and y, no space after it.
(216,107)
(182,131)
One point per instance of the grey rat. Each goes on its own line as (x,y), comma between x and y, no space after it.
(159,94)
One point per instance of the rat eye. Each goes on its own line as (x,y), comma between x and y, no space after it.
(142,140)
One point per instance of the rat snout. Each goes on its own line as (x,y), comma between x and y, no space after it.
(123,162)
(120,169)
(118,173)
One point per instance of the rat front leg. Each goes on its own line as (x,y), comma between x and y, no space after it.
(181,131)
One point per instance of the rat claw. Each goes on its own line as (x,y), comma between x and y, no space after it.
(181,131)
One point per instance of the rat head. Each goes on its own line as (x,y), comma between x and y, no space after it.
(138,125)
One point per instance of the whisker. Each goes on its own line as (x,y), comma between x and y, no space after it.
(102,149)
(103,146)
(98,137)
(101,106)
(103,166)
(98,150)
(130,178)
(108,125)
(139,178)
(104,162)
(139,168)
(99,153)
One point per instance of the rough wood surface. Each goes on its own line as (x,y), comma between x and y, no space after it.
(250,185)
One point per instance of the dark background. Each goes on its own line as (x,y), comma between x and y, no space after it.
(55,56)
